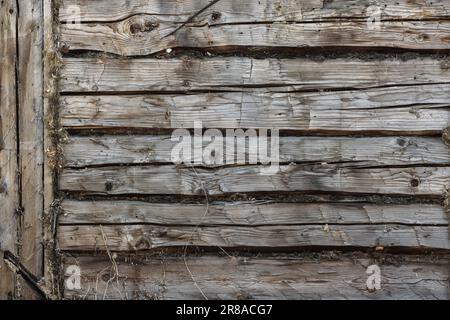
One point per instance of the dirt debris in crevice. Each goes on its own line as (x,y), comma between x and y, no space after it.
(262,197)
(54,156)
(167,255)
(313,54)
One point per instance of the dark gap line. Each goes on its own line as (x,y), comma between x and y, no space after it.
(200,251)
(237,87)
(332,254)
(19,209)
(248,226)
(128,131)
(214,169)
(137,131)
(421,106)
(193,24)
(287,196)
(43,137)
(328,20)
(166,133)
(273,52)
(296,163)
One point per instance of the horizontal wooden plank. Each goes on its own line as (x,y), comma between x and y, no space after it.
(148,237)
(277,277)
(402,109)
(355,152)
(233,11)
(145,35)
(183,74)
(188,181)
(248,214)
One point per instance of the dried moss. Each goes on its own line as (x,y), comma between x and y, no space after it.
(56,138)
(446,136)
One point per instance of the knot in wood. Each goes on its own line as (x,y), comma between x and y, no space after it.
(415,182)
(216,16)
(140,25)
(109,185)
(143,243)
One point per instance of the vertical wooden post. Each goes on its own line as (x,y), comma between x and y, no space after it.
(21,191)
(8,153)
(31,135)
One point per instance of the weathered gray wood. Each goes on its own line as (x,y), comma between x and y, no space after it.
(31,131)
(248,214)
(233,11)
(411,109)
(187,181)
(355,152)
(144,35)
(106,74)
(148,237)
(9,188)
(279,277)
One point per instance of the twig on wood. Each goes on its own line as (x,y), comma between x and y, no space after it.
(17,267)
(191,18)
(114,264)
(205,215)
(97,279)
(195,231)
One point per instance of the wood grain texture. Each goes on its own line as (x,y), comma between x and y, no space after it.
(184,74)
(248,213)
(148,237)
(186,181)
(146,28)
(399,109)
(355,152)
(31,131)
(279,277)
(9,184)
(247,12)
(145,35)
(405,99)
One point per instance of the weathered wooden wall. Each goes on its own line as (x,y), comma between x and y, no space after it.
(364,168)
